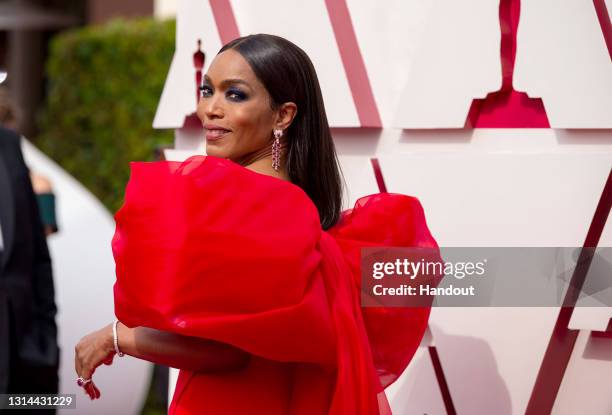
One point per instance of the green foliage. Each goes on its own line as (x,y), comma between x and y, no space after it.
(104,86)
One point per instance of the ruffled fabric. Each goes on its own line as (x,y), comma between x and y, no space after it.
(387,219)
(210,249)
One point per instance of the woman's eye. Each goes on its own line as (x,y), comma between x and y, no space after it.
(235,95)
(205,91)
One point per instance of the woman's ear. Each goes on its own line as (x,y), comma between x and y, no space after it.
(285,116)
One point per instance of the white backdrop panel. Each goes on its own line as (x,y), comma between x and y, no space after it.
(586,385)
(307,24)
(416,392)
(496,199)
(389,36)
(178,98)
(457,60)
(562,57)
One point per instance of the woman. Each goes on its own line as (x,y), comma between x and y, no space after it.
(239,269)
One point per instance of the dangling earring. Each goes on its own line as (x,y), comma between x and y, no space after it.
(276,149)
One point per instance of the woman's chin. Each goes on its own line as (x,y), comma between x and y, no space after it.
(213,149)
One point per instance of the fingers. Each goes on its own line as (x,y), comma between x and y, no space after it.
(92,390)
(85,368)
(89,387)
(89,390)
(109,359)
(96,390)
(87,359)
(86,372)
(86,390)
(89,353)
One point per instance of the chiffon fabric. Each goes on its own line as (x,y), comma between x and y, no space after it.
(210,249)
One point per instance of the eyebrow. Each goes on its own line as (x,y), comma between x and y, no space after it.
(226,82)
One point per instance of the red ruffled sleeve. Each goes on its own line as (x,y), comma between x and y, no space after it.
(207,248)
(397,220)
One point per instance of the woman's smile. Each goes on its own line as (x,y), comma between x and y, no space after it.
(215,132)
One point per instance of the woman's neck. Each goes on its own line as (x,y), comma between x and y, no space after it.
(261,162)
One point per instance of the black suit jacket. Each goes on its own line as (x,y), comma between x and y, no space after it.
(26,284)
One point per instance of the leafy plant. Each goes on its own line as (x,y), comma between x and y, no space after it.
(104,86)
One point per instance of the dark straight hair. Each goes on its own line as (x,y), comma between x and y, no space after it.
(289,76)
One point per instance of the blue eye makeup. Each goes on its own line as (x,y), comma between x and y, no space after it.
(232,93)
(235,94)
(205,91)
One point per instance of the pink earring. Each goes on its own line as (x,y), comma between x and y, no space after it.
(276,149)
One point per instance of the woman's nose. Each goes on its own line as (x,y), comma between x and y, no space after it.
(209,108)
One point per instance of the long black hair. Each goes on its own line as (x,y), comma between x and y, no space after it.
(289,76)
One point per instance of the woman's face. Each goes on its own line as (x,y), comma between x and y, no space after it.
(235,108)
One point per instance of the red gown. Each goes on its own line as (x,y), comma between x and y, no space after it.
(210,249)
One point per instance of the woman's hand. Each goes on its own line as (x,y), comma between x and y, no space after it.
(90,352)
